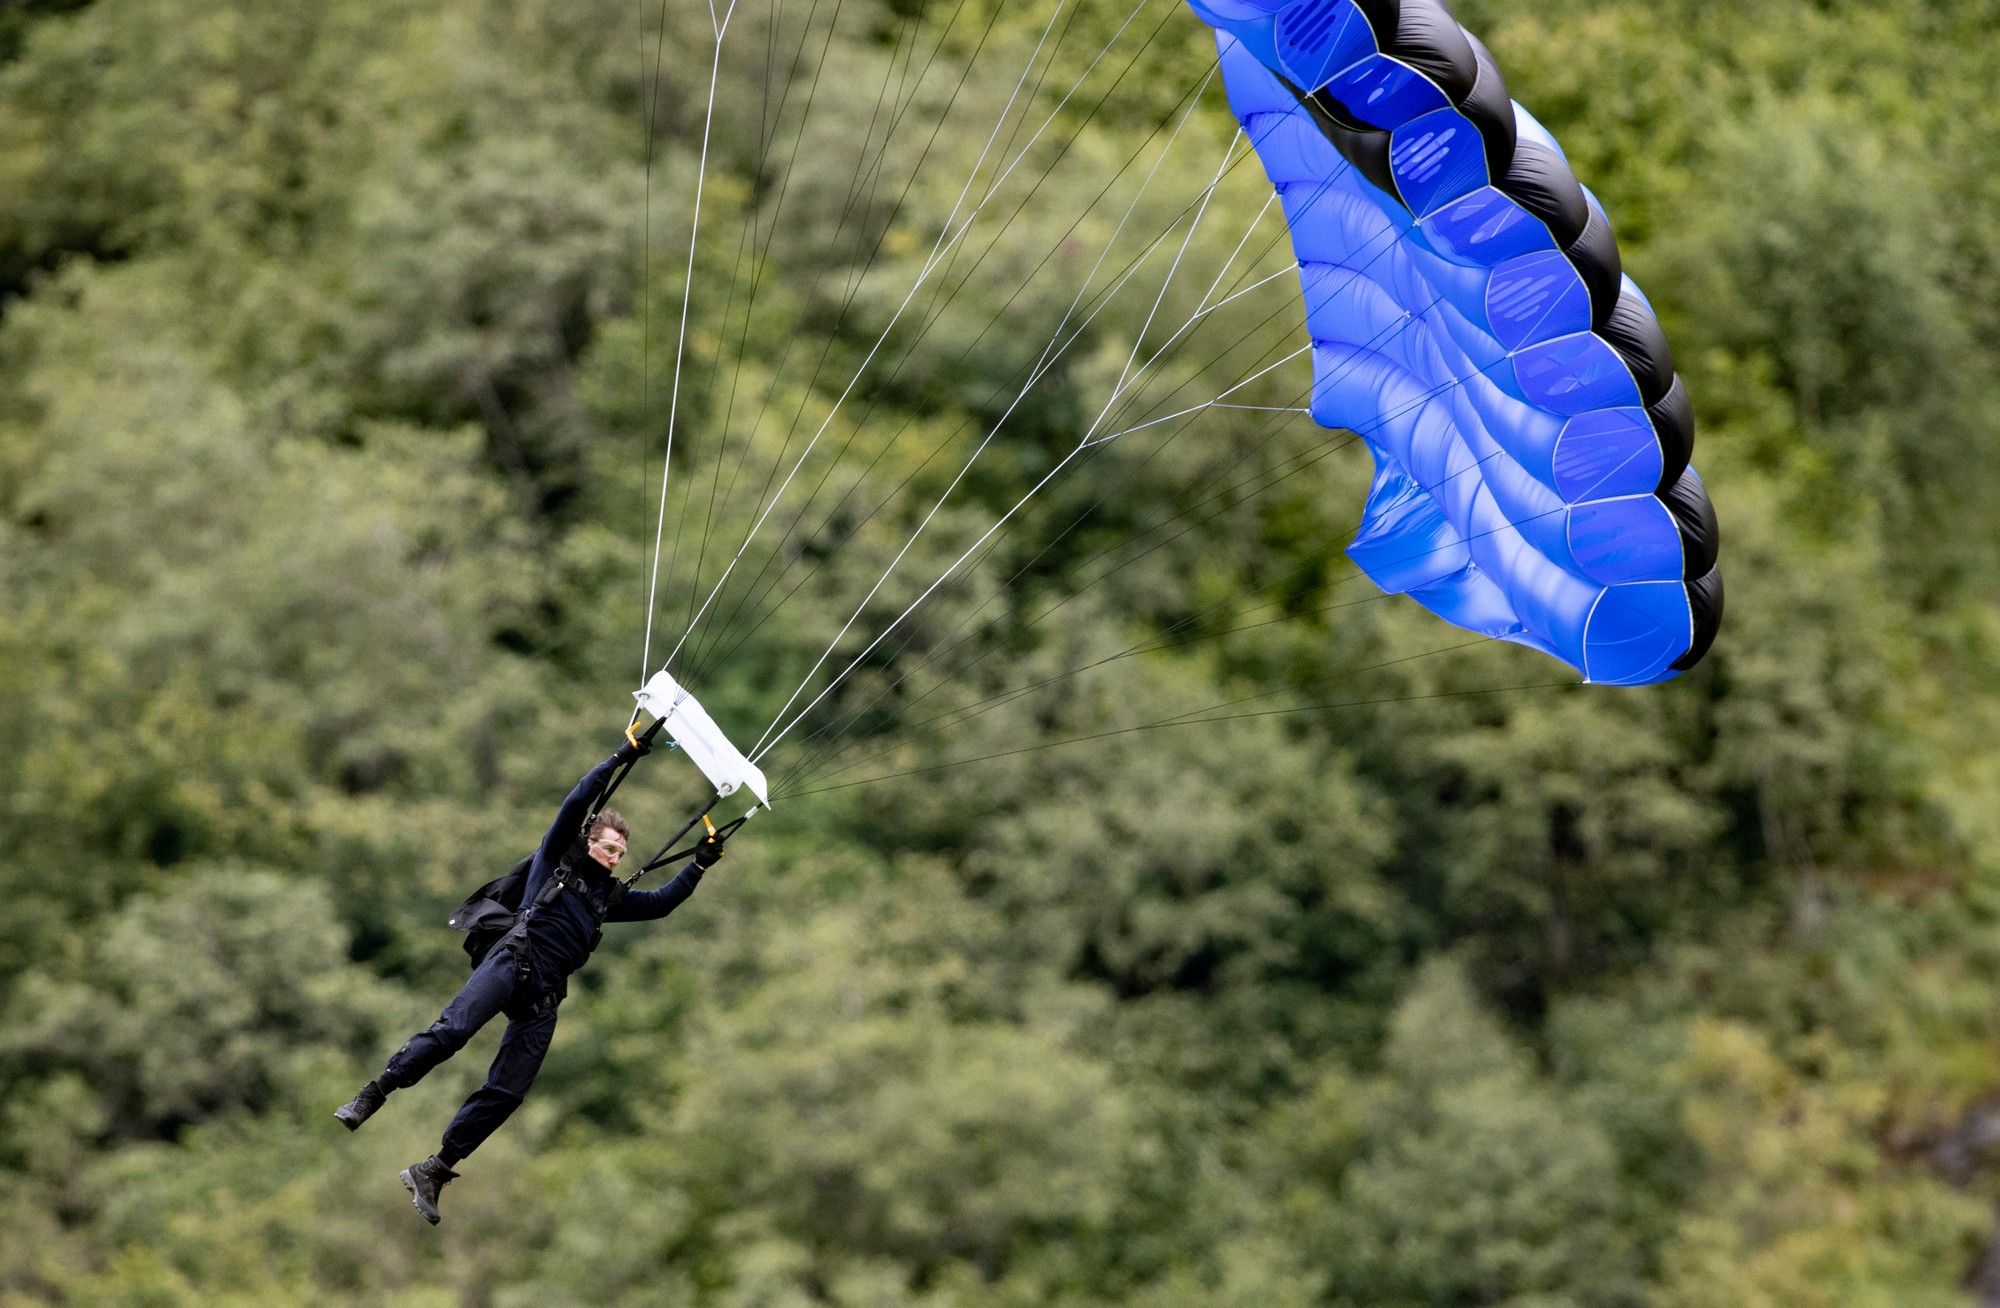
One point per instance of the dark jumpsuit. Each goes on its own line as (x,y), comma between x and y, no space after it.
(526,974)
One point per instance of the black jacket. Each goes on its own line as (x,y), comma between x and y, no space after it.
(562,932)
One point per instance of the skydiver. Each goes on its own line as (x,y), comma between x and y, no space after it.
(569,893)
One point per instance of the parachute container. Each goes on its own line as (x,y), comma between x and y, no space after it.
(1471,323)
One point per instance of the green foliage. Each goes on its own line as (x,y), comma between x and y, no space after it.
(214,996)
(337,354)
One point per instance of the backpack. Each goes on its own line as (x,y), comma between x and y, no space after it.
(491,911)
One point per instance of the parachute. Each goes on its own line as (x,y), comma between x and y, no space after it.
(1471,323)
(1466,314)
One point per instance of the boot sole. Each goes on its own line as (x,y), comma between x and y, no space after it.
(352,1123)
(416,1200)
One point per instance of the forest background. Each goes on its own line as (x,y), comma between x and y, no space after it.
(336,358)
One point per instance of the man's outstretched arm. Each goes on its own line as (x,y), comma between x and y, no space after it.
(650,905)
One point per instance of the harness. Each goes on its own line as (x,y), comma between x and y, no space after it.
(493,915)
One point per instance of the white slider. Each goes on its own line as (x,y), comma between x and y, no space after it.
(700,739)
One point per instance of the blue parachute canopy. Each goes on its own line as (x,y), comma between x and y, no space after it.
(1470,322)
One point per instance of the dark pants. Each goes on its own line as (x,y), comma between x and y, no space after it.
(497,985)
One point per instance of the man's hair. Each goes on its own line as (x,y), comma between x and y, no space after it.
(611,820)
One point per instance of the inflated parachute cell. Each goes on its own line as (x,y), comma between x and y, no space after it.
(1471,323)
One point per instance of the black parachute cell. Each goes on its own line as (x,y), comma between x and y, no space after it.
(1364,147)
(1489,109)
(1430,40)
(1635,333)
(1594,255)
(1687,499)
(1705,601)
(1672,416)
(1540,181)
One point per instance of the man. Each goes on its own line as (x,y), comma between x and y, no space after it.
(570,893)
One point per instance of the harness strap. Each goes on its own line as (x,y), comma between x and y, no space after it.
(717,834)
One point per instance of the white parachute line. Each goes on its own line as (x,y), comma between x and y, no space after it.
(933,259)
(1116,284)
(1201,311)
(946,239)
(1232,297)
(1053,350)
(1403,322)
(1201,306)
(1180,255)
(1192,320)
(1039,371)
(1044,362)
(646,270)
(1217,402)
(1000,120)
(762,747)
(1056,346)
(680,343)
(720,26)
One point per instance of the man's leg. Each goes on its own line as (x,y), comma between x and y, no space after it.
(522,1049)
(486,992)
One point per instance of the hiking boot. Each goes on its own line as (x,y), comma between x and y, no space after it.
(362,1107)
(423,1181)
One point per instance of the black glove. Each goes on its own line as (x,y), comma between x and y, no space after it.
(634,748)
(707,852)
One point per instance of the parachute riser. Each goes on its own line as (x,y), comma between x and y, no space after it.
(624,771)
(668,854)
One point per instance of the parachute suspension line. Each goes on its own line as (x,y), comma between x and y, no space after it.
(1308,457)
(1218,402)
(1085,443)
(954,641)
(978,707)
(1166,640)
(646,262)
(930,264)
(770,240)
(1050,545)
(720,26)
(699,657)
(1186,720)
(746,241)
(761,747)
(1202,309)
(824,755)
(865,173)
(754,598)
(1402,323)
(951,243)
(1034,372)
(1159,297)
(947,238)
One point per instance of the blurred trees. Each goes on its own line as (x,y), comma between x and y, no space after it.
(334,382)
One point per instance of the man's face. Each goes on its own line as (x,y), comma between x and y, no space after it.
(606,846)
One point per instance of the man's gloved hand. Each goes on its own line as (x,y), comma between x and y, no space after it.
(707,852)
(635,747)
